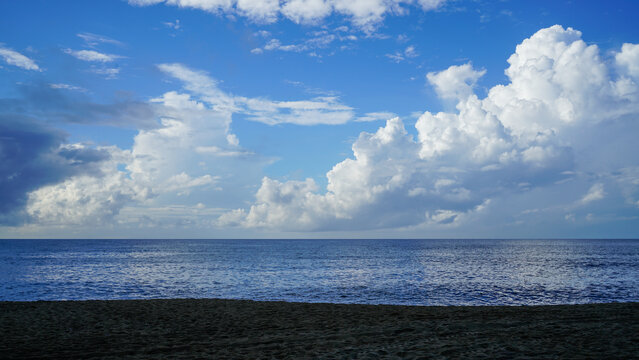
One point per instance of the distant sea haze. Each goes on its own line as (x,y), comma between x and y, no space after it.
(409,272)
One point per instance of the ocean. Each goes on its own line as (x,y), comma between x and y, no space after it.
(407,272)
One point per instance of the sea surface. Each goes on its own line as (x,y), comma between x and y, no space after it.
(413,272)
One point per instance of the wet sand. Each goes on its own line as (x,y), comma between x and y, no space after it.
(220,329)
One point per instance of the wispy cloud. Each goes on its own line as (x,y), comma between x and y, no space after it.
(318,110)
(596,192)
(92,55)
(400,56)
(95,39)
(67,87)
(175,25)
(217,151)
(376,116)
(312,90)
(14,58)
(109,73)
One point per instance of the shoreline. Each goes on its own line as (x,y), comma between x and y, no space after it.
(312,303)
(218,328)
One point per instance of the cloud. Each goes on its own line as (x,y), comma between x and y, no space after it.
(44,179)
(67,87)
(385,185)
(109,73)
(275,44)
(87,199)
(317,40)
(376,116)
(14,58)
(560,131)
(312,90)
(628,181)
(258,10)
(190,152)
(263,33)
(217,151)
(628,59)
(410,52)
(306,11)
(200,83)
(456,82)
(596,192)
(364,14)
(161,166)
(163,158)
(173,25)
(95,39)
(34,155)
(145,2)
(184,183)
(92,55)
(318,110)
(51,103)
(398,56)
(525,137)
(431,4)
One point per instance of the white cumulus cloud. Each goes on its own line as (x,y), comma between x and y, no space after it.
(456,82)
(191,154)
(525,136)
(364,14)
(163,163)
(306,11)
(628,59)
(87,199)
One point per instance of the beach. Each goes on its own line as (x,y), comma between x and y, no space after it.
(221,329)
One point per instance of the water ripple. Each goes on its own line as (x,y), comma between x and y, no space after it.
(415,272)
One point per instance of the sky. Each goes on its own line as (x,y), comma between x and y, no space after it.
(319,119)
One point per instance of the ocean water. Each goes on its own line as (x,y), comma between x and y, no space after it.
(414,272)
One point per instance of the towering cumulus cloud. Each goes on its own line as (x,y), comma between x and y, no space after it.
(33,155)
(532,134)
(184,152)
(163,161)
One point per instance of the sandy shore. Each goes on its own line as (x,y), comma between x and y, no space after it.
(246,329)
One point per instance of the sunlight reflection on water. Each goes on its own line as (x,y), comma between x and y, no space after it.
(417,272)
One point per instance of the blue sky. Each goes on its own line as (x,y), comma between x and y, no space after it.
(316,118)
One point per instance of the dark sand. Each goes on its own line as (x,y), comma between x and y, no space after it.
(246,329)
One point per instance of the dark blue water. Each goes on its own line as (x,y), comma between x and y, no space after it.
(417,272)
